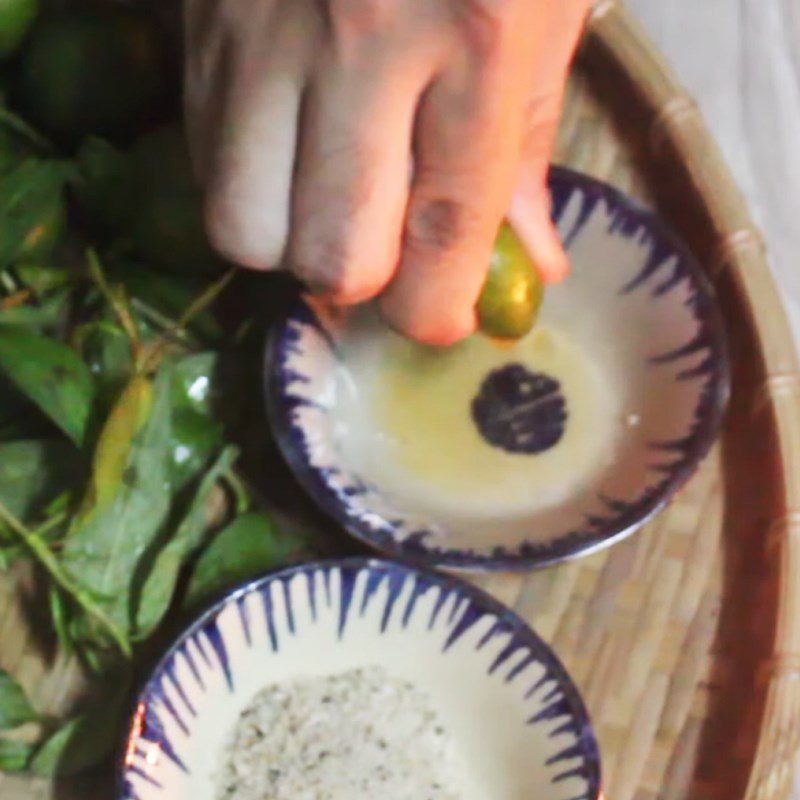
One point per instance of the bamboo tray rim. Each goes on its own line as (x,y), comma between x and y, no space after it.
(740,250)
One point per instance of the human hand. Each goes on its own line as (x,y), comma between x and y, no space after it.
(305,117)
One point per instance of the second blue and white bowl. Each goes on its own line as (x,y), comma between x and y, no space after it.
(509,706)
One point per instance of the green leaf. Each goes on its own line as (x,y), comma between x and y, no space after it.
(159,586)
(15,709)
(59,613)
(54,514)
(30,192)
(195,432)
(51,374)
(12,124)
(15,146)
(9,553)
(129,498)
(48,313)
(42,278)
(106,350)
(12,151)
(41,551)
(33,473)
(83,741)
(248,547)
(102,184)
(116,443)
(14,755)
(195,385)
(194,439)
(12,402)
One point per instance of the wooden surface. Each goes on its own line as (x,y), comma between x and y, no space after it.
(740,59)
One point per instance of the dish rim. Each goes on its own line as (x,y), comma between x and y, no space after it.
(542,652)
(570,545)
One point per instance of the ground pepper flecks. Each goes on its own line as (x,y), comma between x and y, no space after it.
(359,735)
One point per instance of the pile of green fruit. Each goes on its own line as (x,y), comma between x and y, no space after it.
(131,431)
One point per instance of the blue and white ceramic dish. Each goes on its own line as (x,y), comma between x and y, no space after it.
(503,696)
(568,464)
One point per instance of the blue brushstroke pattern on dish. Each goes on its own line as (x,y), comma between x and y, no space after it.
(346,594)
(701,362)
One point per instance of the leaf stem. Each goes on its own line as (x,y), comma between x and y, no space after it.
(46,558)
(51,523)
(118,304)
(7,282)
(239,489)
(200,303)
(20,126)
(197,306)
(167,325)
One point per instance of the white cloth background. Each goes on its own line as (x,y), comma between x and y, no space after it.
(741,61)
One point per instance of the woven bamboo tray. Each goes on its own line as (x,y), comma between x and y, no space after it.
(685,639)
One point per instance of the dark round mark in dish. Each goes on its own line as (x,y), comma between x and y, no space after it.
(520,411)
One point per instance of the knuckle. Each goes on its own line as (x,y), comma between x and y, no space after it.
(356,292)
(329,244)
(321,265)
(425,319)
(544,106)
(493,11)
(483,21)
(233,235)
(328,268)
(201,19)
(538,139)
(362,16)
(442,336)
(439,224)
(436,332)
